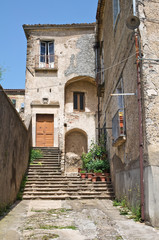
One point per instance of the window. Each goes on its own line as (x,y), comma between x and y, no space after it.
(118,120)
(116,10)
(47,54)
(78,101)
(14,102)
(120,90)
(102,66)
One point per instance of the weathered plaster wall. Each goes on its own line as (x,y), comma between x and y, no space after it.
(76,61)
(19,96)
(15,143)
(83,120)
(76,142)
(149,30)
(119,62)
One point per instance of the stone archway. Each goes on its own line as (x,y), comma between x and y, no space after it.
(75,145)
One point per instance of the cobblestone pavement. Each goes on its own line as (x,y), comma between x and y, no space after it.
(71,220)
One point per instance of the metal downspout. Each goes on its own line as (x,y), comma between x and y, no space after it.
(140,118)
(98,119)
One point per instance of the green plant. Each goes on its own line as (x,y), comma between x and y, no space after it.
(119,237)
(50,227)
(98,171)
(116,203)
(136,213)
(34,154)
(96,158)
(50,236)
(83,171)
(4,209)
(125,209)
(22,186)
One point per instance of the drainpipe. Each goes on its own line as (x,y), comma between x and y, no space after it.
(140,117)
(98,119)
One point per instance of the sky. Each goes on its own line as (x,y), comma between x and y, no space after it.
(15,13)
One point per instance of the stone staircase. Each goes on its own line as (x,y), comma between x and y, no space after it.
(45,181)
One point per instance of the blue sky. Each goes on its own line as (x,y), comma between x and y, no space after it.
(15,13)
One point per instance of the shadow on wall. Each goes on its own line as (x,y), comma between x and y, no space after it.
(15,144)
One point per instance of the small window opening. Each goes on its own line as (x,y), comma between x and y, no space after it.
(14,102)
(78,101)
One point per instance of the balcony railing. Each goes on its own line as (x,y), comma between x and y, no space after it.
(46,62)
(118,128)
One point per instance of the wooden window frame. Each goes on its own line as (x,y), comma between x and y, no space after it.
(47,57)
(78,101)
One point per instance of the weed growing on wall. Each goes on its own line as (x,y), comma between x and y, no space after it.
(22,186)
(4,209)
(125,209)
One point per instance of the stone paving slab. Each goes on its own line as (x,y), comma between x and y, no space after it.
(71,220)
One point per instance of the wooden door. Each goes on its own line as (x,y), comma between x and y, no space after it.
(44,130)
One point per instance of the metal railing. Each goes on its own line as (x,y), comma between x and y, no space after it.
(46,62)
(118,125)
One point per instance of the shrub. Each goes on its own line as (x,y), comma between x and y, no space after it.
(35,154)
(96,158)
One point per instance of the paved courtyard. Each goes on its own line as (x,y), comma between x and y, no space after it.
(71,220)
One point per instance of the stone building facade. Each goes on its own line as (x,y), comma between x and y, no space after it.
(60,90)
(118,99)
(17,97)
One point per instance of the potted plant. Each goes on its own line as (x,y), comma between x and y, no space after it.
(94,178)
(98,172)
(79,170)
(83,174)
(89,175)
(102,178)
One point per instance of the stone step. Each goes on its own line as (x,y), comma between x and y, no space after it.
(51,193)
(66,196)
(67,183)
(67,189)
(52,180)
(45,165)
(45,181)
(37,167)
(46,162)
(61,177)
(44,175)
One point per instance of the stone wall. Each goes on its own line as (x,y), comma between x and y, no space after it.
(119,62)
(18,95)
(15,144)
(149,30)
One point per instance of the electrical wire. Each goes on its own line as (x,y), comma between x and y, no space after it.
(84,77)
